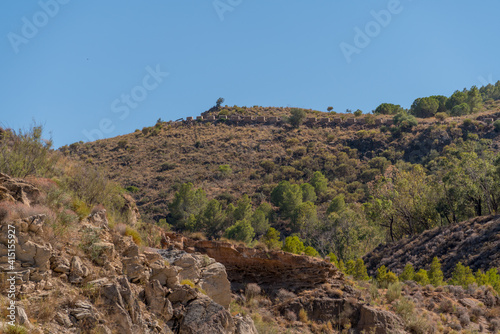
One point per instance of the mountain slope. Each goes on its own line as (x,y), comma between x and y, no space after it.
(475,243)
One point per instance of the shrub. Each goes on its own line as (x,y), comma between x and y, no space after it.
(122,144)
(408,273)
(268,166)
(441,116)
(297,117)
(16,329)
(460,110)
(272,239)
(360,272)
(384,277)
(405,121)
(421,277)
(435,273)
(333,259)
(252,290)
(90,238)
(293,245)
(303,316)
(132,189)
(496,125)
(224,171)
(241,231)
(166,166)
(393,292)
(283,295)
(405,309)
(134,234)
(462,276)
(26,153)
(310,251)
(80,208)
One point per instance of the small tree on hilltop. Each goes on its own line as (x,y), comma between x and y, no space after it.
(219,101)
(297,117)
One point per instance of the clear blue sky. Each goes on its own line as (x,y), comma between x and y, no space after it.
(70,65)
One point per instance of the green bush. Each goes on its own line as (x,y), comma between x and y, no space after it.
(293,245)
(384,277)
(311,251)
(441,116)
(26,153)
(272,239)
(134,234)
(435,274)
(405,121)
(224,171)
(496,125)
(166,166)
(16,329)
(132,189)
(297,117)
(421,277)
(462,276)
(393,292)
(241,231)
(408,273)
(360,272)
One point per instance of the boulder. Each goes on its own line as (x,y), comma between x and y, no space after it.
(378,321)
(78,271)
(156,301)
(182,294)
(215,283)
(244,325)
(188,267)
(134,269)
(167,276)
(205,316)
(99,219)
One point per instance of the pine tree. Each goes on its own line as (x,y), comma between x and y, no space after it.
(421,277)
(360,272)
(408,273)
(462,276)
(435,274)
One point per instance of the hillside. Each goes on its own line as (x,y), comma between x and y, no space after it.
(474,243)
(228,159)
(92,275)
(157,159)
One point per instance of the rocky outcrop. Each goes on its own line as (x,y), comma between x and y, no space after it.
(210,276)
(372,320)
(12,190)
(105,283)
(270,269)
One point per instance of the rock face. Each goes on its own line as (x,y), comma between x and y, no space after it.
(475,243)
(203,271)
(378,321)
(120,287)
(269,269)
(13,190)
